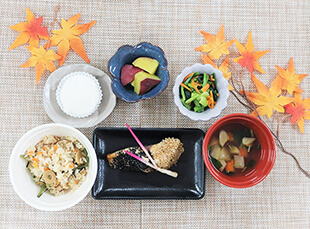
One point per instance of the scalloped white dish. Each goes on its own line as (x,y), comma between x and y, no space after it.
(222,86)
(54,111)
(73,98)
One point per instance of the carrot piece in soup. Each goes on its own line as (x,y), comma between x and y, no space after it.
(230,136)
(230,166)
(243,151)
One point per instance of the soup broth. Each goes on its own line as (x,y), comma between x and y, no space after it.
(234,150)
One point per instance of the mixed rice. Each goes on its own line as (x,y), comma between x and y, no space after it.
(57,164)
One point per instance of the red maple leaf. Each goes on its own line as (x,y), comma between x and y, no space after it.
(299,109)
(249,58)
(30,31)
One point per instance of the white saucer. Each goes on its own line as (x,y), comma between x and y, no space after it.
(57,115)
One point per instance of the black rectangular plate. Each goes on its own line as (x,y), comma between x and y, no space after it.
(116,184)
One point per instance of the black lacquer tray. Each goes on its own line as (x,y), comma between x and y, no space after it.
(116,184)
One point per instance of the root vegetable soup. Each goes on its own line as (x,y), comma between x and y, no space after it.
(234,150)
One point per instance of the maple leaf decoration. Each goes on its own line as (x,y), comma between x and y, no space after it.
(216,45)
(30,31)
(67,37)
(42,59)
(290,80)
(299,109)
(266,99)
(223,67)
(248,57)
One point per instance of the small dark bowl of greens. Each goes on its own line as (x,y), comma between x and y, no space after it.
(201,92)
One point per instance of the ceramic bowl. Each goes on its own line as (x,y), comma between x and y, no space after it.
(266,160)
(222,86)
(27,189)
(126,54)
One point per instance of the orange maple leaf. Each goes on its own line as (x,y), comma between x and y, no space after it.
(290,80)
(67,37)
(300,110)
(42,59)
(223,67)
(216,45)
(248,57)
(30,31)
(266,99)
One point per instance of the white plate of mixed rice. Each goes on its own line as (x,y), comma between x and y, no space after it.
(53,167)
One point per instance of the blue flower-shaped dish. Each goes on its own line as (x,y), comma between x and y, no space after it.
(126,54)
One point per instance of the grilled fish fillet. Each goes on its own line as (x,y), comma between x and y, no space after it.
(165,154)
(123,161)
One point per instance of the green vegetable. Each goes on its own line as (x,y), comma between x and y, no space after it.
(190,78)
(197,105)
(238,135)
(244,169)
(186,105)
(195,96)
(187,94)
(217,164)
(183,94)
(251,163)
(205,79)
(203,101)
(85,164)
(28,162)
(199,109)
(200,78)
(42,190)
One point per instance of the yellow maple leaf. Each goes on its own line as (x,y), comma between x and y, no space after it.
(42,59)
(30,31)
(248,56)
(289,79)
(216,45)
(299,109)
(67,37)
(266,99)
(223,67)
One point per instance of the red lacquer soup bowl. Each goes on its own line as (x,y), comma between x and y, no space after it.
(267,151)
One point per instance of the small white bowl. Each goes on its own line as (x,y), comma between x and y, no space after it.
(27,189)
(79,94)
(53,110)
(222,87)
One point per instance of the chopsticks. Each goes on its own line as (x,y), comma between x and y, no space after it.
(142,146)
(165,171)
(153,164)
